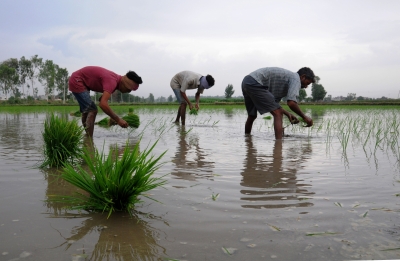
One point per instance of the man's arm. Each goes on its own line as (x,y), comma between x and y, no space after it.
(197,99)
(107,110)
(295,107)
(183,94)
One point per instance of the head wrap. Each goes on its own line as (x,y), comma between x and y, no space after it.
(204,83)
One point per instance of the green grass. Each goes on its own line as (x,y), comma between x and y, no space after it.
(62,141)
(113,183)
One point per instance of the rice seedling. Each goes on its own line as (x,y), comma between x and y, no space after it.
(115,182)
(320,234)
(193,111)
(132,120)
(267,117)
(62,141)
(76,114)
(214,196)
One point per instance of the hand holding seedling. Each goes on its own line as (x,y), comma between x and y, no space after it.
(293,119)
(122,123)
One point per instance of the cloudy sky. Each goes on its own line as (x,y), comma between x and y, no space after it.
(353,46)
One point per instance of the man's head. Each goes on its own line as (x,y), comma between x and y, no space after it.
(129,82)
(207,82)
(306,76)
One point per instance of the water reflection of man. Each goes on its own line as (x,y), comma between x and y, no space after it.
(190,157)
(270,183)
(264,88)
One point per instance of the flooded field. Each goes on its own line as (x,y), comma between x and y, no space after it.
(330,192)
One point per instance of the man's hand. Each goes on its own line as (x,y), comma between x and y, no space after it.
(122,123)
(191,106)
(197,106)
(309,121)
(293,119)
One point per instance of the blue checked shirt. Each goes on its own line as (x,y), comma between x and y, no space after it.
(280,82)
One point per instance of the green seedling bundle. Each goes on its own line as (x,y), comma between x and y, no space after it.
(62,141)
(193,111)
(114,182)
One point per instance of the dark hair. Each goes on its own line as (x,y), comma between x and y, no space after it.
(210,80)
(307,72)
(134,77)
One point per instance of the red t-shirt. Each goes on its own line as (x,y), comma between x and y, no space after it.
(93,78)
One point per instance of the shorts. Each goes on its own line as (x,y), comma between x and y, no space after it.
(179,96)
(258,98)
(85,102)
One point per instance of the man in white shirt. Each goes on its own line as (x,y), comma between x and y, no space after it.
(187,80)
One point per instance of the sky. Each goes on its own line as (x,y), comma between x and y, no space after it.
(353,46)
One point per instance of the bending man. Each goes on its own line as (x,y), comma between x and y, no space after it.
(188,80)
(98,79)
(264,88)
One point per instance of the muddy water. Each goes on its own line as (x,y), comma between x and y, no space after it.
(228,197)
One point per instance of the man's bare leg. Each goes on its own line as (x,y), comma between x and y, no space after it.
(178,116)
(278,128)
(249,124)
(183,113)
(91,117)
(84,118)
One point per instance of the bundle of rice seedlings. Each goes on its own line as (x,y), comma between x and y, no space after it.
(62,141)
(104,122)
(114,182)
(132,120)
(268,117)
(76,114)
(193,111)
(130,110)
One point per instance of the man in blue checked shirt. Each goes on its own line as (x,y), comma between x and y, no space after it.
(264,88)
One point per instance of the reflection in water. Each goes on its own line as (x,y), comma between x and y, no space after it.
(270,181)
(57,186)
(190,159)
(121,237)
(16,131)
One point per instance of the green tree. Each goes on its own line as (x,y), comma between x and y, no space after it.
(47,76)
(13,80)
(229,91)
(170,99)
(151,98)
(302,95)
(317,90)
(61,81)
(33,72)
(24,69)
(8,78)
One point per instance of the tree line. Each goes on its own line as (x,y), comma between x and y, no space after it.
(18,74)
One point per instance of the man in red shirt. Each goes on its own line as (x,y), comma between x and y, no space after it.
(98,79)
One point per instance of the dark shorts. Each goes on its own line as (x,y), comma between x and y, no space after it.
(257,98)
(179,96)
(85,102)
